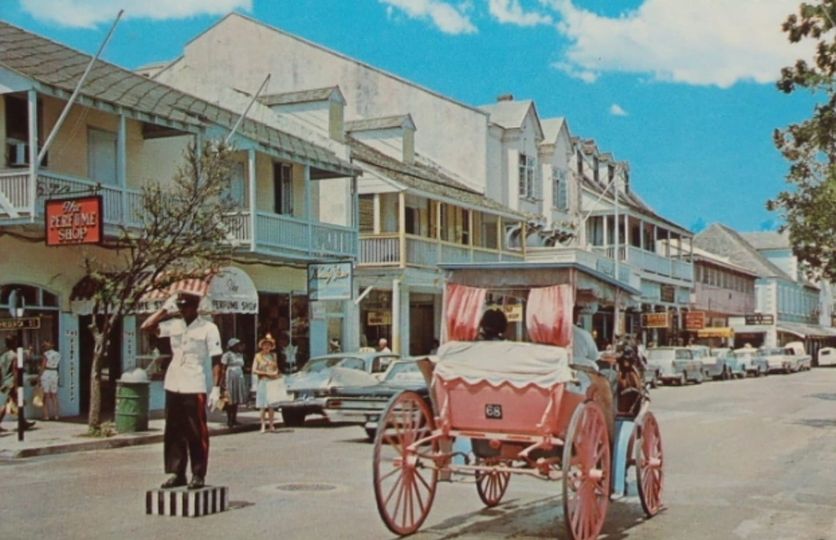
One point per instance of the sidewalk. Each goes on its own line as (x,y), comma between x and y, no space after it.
(70,434)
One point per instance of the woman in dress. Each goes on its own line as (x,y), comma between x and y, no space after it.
(49,379)
(233,379)
(266,367)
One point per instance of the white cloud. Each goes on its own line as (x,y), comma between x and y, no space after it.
(446,17)
(511,12)
(90,13)
(616,110)
(575,72)
(710,42)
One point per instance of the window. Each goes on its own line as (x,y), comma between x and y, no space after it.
(102,156)
(579,158)
(560,195)
(282,188)
(413,220)
(366,213)
(527,181)
(595,167)
(610,172)
(236,192)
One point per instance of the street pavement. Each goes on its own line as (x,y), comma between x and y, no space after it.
(746,459)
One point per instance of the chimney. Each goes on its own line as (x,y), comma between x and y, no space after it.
(505,97)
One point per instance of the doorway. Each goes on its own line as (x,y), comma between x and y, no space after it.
(111,371)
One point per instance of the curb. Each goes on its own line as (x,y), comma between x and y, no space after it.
(103,444)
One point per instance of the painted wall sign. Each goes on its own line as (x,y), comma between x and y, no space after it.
(330,281)
(655,320)
(70,222)
(513,312)
(668,293)
(379,318)
(755,319)
(21,323)
(695,320)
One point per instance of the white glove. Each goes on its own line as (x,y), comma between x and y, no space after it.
(214,396)
(170,305)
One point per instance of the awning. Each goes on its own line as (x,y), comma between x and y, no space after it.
(806,330)
(715,332)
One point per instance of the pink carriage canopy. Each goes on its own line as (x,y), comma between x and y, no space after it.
(548,315)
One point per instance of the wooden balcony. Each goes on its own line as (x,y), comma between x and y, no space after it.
(274,234)
(422,252)
(651,263)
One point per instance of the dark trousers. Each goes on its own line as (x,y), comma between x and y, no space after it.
(186,434)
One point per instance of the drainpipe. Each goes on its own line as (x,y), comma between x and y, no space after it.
(396,315)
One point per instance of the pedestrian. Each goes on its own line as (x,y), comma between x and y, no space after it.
(232,379)
(8,379)
(493,324)
(584,349)
(266,367)
(436,345)
(195,349)
(49,379)
(383,345)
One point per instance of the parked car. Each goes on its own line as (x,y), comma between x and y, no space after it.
(364,404)
(323,375)
(728,365)
(675,364)
(777,360)
(710,369)
(752,362)
(827,356)
(795,350)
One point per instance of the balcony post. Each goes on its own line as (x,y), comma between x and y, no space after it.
(251,190)
(402,228)
(499,245)
(122,168)
(641,234)
(437,231)
(309,206)
(32,96)
(470,232)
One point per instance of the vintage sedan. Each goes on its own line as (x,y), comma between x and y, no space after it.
(363,405)
(324,375)
(675,365)
(777,360)
(752,362)
(728,365)
(827,356)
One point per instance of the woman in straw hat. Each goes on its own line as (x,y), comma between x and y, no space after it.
(233,379)
(266,367)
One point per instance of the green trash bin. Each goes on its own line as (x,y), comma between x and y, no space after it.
(131,406)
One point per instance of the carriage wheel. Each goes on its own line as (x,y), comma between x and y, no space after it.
(491,484)
(404,483)
(586,473)
(650,466)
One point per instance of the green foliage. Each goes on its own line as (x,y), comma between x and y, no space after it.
(809,205)
(102,431)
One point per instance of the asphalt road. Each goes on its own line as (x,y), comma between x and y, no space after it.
(751,459)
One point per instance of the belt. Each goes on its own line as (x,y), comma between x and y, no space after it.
(51,369)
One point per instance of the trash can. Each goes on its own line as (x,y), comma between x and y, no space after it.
(132,402)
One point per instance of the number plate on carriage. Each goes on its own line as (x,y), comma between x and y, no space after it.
(493,411)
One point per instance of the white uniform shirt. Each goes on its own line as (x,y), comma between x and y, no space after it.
(53,359)
(584,350)
(192,349)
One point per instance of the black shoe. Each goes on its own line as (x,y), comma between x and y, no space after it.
(173,482)
(28,425)
(197,482)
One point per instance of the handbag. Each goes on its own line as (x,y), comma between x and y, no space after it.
(38,396)
(276,391)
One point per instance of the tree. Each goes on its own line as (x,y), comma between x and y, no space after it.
(182,235)
(809,206)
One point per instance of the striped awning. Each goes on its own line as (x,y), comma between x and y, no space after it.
(155,299)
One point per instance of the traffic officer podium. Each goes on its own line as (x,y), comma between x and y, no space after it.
(184,502)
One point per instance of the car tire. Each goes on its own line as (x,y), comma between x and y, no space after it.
(293,418)
(371,433)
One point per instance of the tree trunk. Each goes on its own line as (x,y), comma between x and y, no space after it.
(94,418)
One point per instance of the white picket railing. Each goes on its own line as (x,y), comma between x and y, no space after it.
(384,250)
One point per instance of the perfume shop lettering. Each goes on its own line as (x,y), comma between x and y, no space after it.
(74,221)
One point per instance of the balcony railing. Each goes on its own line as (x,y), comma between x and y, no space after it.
(385,250)
(590,259)
(275,233)
(650,262)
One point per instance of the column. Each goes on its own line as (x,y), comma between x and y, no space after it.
(641,234)
(402,228)
(309,208)
(32,96)
(122,167)
(376,228)
(405,320)
(605,220)
(470,232)
(251,188)
(396,315)
(351,321)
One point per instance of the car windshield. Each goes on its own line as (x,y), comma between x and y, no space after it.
(771,351)
(321,364)
(744,354)
(719,352)
(699,353)
(404,373)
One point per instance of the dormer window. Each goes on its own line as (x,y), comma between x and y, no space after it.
(579,157)
(595,166)
(527,177)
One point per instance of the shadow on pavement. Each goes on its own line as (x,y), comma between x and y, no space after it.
(821,423)
(827,397)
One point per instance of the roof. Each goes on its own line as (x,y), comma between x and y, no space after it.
(383,122)
(805,330)
(58,68)
(723,240)
(424,178)
(301,96)
(508,114)
(767,240)
(551,128)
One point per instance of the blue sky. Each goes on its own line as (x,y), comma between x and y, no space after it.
(684,91)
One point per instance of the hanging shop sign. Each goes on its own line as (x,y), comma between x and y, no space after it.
(379,318)
(70,222)
(20,323)
(655,320)
(759,319)
(330,281)
(695,320)
(513,312)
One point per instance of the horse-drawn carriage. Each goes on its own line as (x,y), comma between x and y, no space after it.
(527,408)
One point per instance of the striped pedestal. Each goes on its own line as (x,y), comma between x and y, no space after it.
(186,502)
